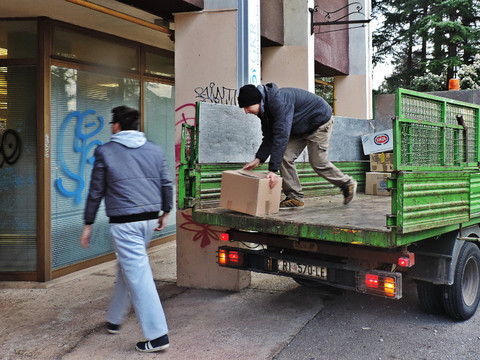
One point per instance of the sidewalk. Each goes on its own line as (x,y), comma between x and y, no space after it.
(65,319)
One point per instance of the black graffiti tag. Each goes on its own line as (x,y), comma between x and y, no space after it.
(214,94)
(10,147)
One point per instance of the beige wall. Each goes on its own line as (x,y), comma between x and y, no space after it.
(292,64)
(286,66)
(353,96)
(353,93)
(205,61)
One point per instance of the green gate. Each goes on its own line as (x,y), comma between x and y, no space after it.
(436,179)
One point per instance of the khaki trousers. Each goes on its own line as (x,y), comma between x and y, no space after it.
(317,147)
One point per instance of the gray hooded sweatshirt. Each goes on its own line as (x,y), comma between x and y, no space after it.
(131,173)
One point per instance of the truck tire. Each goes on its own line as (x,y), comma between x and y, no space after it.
(430,297)
(461,298)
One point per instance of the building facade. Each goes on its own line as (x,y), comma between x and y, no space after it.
(64,64)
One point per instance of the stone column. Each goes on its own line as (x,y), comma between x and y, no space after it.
(206,70)
(353,93)
(292,65)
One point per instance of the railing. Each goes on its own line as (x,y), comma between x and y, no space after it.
(436,163)
(435,133)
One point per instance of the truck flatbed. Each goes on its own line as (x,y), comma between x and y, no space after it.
(323,218)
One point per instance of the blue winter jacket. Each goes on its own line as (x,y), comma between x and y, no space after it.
(288,112)
(132,175)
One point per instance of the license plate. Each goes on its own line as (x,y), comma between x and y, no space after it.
(318,272)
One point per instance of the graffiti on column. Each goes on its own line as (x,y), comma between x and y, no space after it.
(203,233)
(80,146)
(187,116)
(214,94)
(10,147)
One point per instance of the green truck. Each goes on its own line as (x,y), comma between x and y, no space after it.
(427,229)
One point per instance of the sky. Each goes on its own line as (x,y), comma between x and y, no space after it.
(381,70)
(379,73)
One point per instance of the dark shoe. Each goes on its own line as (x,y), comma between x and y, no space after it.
(291,204)
(113,328)
(349,192)
(157,344)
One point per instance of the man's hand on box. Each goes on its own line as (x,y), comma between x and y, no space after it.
(252,164)
(273,179)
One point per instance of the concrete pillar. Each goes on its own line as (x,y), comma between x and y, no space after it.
(353,93)
(206,70)
(292,64)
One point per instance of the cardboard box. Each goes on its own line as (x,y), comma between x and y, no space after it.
(381,162)
(376,183)
(377,142)
(249,192)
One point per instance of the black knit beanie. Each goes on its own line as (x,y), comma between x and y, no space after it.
(249,95)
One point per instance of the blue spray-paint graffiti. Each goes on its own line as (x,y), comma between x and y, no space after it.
(81,146)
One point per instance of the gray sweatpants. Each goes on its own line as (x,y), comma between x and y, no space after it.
(317,147)
(135,284)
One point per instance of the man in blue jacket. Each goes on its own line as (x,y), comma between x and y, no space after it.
(132,175)
(293,119)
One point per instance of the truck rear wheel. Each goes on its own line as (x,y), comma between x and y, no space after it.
(461,298)
(430,297)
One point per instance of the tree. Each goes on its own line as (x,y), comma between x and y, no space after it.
(428,82)
(469,74)
(426,38)
(324,88)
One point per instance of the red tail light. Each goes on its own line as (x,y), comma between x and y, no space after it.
(225,237)
(371,280)
(403,262)
(233,256)
(381,283)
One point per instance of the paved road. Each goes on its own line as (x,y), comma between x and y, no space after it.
(274,318)
(66,319)
(356,326)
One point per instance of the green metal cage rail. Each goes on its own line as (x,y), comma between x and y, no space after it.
(435,182)
(435,133)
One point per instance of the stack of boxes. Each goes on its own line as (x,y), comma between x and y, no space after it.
(379,147)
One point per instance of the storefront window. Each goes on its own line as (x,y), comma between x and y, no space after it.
(159,116)
(88,49)
(18,39)
(18,243)
(160,64)
(80,104)
(80,114)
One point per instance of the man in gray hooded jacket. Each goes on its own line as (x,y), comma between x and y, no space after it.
(132,175)
(293,119)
